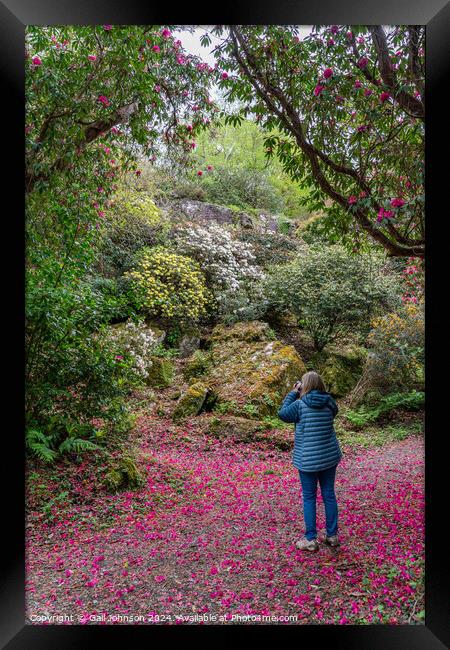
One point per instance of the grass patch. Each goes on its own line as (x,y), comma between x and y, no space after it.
(374,436)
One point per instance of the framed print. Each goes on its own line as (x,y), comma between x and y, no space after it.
(222,295)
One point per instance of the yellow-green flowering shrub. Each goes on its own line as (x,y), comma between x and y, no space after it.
(139,206)
(169,285)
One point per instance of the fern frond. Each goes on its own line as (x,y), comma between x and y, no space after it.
(43,452)
(76,444)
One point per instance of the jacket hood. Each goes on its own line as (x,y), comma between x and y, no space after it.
(316,399)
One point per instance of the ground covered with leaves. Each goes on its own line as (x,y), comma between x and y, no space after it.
(210,536)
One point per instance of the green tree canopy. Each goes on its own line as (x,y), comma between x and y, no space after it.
(349,104)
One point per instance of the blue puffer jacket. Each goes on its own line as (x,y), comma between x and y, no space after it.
(316,446)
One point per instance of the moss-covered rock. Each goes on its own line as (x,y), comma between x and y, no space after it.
(123,474)
(340,369)
(191,402)
(189,341)
(251,371)
(248,331)
(160,373)
(197,366)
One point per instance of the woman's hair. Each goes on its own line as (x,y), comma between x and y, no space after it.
(311,381)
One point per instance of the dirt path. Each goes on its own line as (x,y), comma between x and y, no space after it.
(212,535)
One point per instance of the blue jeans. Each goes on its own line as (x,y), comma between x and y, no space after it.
(309,487)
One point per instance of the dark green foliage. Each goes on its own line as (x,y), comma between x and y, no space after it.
(411,401)
(332,292)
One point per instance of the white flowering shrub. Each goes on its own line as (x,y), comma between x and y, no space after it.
(134,340)
(225,261)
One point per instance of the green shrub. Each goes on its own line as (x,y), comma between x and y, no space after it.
(332,293)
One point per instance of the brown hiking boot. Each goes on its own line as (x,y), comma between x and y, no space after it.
(332,541)
(307,544)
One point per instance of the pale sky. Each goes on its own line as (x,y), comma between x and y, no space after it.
(191,42)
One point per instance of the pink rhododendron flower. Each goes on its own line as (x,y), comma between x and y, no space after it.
(138,172)
(384,214)
(36,60)
(209,168)
(397,203)
(384,97)
(157,88)
(318,89)
(349,35)
(166,33)
(103,100)
(92,57)
(352,199)
(327,73)
(224,75)
(199,173)
(189,127)
(107,27)
(334,29)
(363,61)
(367,92)
(358,84)
(156,48)
(363,127)
(119,357)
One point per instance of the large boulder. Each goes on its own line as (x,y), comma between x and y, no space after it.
(339,369)
(251,372)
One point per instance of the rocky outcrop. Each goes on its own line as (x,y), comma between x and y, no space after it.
(202,212)
(246,371)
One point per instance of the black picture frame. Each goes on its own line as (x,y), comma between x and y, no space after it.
(14,16)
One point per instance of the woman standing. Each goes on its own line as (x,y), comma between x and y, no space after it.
(316,453)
